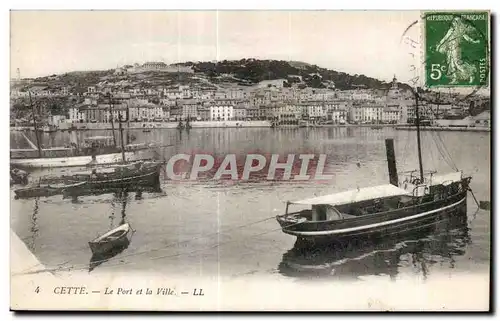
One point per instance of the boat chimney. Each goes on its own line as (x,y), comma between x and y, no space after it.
(391,161)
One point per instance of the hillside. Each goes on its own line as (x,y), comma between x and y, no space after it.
(242,72)
(253,71)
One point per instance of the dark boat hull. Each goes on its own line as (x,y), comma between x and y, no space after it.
(349,260)
(129,189)
(151,178)
(37,192)
(104,248)
(400,222)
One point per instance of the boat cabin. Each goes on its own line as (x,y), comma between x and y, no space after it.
(354,203)
(376,199)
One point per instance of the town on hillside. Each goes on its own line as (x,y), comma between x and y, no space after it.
(156,94)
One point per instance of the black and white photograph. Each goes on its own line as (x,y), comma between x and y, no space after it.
(250,160)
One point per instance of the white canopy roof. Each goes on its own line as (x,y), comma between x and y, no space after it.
(446,178)
(356,195)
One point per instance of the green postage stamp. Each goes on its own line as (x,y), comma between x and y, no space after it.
(456,48)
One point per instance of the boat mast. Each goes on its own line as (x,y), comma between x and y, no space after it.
(418,138)
(35,126)
(111,119)
(121,136)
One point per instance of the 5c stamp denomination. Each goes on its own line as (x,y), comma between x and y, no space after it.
(456,49)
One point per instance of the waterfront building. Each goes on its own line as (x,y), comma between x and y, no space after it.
(76,115)
(314,110)
(365,113)
(94,114)
(240,112)
(252,112)
(146,112)
(339,116)
(189,108)
(222,112)
(176,113)
(390,114)
(115,113)
(204,112)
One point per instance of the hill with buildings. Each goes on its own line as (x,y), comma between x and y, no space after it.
(244,72)
(254,71)
(238,89)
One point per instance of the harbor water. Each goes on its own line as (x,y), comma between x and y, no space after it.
(211,227)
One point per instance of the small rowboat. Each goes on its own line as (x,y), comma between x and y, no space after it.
(115,238)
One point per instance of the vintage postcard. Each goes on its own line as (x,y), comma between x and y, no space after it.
(250,160)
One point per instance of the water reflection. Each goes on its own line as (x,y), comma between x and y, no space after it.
(419,251)
(98,259)
(34,226)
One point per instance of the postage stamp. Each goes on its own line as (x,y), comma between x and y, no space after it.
(456,48)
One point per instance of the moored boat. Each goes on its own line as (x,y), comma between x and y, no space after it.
(375,212)
(96,150)
(43,190)
(420,200)
(140,174)
(117,237)
(86,160)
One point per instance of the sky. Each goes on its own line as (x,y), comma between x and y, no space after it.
(356,42)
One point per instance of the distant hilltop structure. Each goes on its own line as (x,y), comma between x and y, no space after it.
(154,66)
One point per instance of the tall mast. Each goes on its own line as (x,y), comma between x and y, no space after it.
(111,119)
(35,126)
(418,138)
(121,136)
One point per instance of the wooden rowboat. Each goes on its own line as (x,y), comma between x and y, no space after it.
(115,238)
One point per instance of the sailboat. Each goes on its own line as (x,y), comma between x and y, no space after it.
(98,152)
(419,201)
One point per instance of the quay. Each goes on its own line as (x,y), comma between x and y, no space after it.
(202,124)
(451,129)
(24,286)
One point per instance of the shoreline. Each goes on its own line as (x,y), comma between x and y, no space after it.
(450,129)
(228,124)
(256,124)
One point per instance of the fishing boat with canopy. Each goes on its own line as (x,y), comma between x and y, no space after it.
(418,200)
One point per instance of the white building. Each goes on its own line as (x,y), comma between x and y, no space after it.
(339,116)
(76,116)
(314,110)
(390,115)
(148,112)
(221,112)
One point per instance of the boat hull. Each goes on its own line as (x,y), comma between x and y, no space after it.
(37,192)
(107,242)
(75,161)
(42,191)
(405,221)
(151,178)
(104,248)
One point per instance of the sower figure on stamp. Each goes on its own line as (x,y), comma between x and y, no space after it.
(450,45)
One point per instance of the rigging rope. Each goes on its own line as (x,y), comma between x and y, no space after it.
(442,148)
